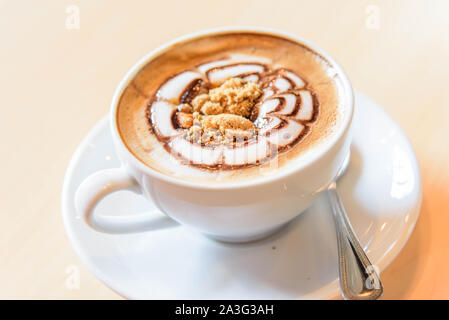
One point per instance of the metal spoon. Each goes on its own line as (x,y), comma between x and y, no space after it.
(358,277)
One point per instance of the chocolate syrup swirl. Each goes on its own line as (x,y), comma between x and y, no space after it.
(282,115)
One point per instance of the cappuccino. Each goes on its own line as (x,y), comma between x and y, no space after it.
(229,107)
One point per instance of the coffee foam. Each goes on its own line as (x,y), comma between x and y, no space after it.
(299,103)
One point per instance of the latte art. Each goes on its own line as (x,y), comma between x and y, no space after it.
(231,106)
(281,115)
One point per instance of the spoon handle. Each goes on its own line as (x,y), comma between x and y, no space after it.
(358,277)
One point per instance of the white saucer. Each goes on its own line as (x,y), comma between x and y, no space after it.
(381,192)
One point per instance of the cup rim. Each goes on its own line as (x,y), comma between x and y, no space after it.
(335,137)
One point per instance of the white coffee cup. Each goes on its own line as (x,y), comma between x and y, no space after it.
(236,212)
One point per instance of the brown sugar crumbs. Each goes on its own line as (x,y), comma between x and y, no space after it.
(221,115)
(223,122)
(234,96)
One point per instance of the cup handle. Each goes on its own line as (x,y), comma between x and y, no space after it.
(99,184)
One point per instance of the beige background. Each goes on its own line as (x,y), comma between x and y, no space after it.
(56,84)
